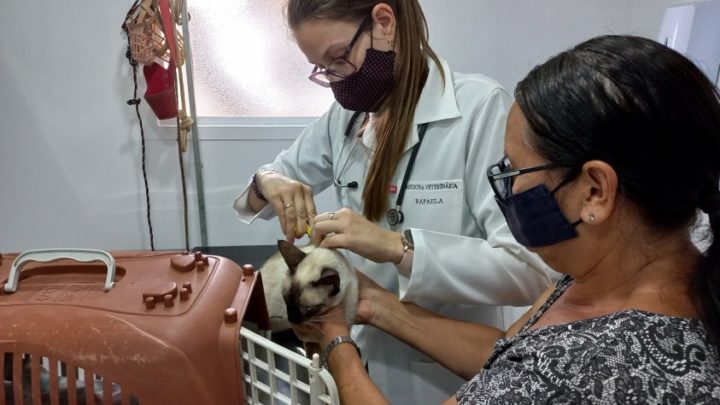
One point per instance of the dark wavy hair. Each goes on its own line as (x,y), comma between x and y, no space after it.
(653,116)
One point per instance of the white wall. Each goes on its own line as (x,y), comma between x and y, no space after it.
(506,38)
(70,148)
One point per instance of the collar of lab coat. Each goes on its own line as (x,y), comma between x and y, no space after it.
(437,100)
(436,103)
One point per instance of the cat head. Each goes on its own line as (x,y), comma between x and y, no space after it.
(316,280)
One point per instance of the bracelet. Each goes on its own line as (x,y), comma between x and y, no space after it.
(338,340)
(405,265)
(255,189)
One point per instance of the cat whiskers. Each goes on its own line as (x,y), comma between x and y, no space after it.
(313,328)
(316,323)
(320,317)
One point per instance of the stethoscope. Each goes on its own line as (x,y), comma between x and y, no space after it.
(336,179)
(395,215)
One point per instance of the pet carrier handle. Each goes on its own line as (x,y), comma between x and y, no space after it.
(49,255)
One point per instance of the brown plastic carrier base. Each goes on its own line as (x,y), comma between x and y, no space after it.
(80,326)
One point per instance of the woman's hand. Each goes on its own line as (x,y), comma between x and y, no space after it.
(349,230)
(323,328)
(375,307)
(373,301)
(292,201)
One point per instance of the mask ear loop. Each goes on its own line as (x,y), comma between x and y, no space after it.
(564,182)
(371,32)
(392,45)
(567,180)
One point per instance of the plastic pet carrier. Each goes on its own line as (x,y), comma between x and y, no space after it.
(92,327)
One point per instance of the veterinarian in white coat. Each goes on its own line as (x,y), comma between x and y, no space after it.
(458,234)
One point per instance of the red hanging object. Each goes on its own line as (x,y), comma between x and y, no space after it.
(168,28)
(160,94)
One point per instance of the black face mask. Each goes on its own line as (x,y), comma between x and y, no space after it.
(365,89)
(535,219)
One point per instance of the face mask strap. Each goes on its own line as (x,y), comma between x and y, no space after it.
(567,180)
(371,33)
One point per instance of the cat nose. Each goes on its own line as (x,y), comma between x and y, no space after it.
(294,316)
(295,319)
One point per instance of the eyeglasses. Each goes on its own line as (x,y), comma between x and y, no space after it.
(501,175)
(341,67)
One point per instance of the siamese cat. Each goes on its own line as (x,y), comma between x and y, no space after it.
(302,282)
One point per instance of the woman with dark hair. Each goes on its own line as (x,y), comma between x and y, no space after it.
(611,151)
(402,148)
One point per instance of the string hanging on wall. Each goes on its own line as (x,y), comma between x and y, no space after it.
(136,102)
(154,41)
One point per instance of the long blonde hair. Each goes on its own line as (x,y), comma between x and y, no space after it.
(394,118)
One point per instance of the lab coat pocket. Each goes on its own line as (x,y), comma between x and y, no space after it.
(432,383)
(435,205)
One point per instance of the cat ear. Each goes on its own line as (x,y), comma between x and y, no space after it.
(291,254)
(330,277)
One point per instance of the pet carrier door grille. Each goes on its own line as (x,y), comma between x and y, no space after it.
(276,375)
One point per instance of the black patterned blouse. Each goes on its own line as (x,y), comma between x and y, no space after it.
(629,357)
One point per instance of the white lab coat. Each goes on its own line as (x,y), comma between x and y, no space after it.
(466,262)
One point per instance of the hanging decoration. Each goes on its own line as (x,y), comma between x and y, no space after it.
(155,42)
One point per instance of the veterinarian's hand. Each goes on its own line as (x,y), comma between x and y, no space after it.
(323,328)
(373,301)
(292,201)
(349,230)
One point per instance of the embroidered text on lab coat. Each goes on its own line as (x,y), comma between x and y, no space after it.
(433,186)
(429,201)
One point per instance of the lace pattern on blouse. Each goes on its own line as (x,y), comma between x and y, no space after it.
(628,357)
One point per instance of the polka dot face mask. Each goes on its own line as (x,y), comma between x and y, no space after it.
(365,89)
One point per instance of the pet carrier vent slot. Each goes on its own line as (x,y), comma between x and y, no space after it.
(36,380)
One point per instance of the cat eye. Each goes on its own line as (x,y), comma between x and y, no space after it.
(308,308)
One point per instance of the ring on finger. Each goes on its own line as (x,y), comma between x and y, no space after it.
(332,216)
(288,205)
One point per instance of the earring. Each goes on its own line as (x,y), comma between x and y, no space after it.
(591,217)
